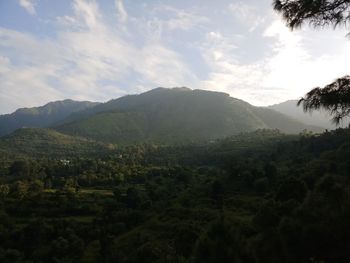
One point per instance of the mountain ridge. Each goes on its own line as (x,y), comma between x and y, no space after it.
(174,115)
(319,118)
(162,115)
(42,116)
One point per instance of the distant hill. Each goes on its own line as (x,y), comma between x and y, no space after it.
(174,115)
(41,142)
(317,118)
(43,116)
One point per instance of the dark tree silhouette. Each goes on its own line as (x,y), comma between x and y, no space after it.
(334,98)
(316,12)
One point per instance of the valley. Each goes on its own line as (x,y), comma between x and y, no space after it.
(128,204)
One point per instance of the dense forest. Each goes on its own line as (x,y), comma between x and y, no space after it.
(255,197)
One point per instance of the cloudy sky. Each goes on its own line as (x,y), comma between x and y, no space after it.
(99,50)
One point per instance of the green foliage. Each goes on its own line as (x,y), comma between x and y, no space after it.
(43,116)
(176,115)
(20,168)
(256,197)
(291,189)
(220,243)
(334,98)
(42,142)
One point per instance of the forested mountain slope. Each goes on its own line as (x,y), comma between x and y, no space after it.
(43,116)
(174,115)
(41,142)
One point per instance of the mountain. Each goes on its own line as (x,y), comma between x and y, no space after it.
(42,142)
(174,115)
(317,118)
(43,116)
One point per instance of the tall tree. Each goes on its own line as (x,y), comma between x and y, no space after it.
(334,97)
(316,12)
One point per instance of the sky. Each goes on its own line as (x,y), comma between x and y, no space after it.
(100,50)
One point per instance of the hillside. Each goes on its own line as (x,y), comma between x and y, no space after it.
(173,115)
(282,122)
(317,118)
(42,142)
(43,116)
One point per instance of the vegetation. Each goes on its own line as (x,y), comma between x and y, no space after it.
(255,197)
(161,115)
(188,176)
(317,13)
(43,116)
(335,97)
(40,142)
(173,116)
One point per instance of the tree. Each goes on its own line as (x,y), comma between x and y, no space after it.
(220,243)
(20,189)
(270,170)
(216,193)
(335,97)
(291,188)
(132,198)
(316,12)
(36,187)
(20,168)
(4,190)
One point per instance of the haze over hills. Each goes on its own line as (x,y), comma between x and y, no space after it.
(317,118)
(43,116)
(160,115)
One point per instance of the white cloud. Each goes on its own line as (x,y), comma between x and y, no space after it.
(28,5)
(289,71)
(247,14)
(25,86)
(123,15)
(292,66)
(87,60)
(184,20)
(89,57)
(167,18)
(163,67)
(66,20)
(88,13)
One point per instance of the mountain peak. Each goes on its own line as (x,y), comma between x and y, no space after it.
(162,89)
(174,115)
(184,90)
(42,116)
(161,115)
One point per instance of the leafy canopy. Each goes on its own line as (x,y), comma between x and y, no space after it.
(334,98)
(316,12)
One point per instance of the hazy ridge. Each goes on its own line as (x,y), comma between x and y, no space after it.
(160,115)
